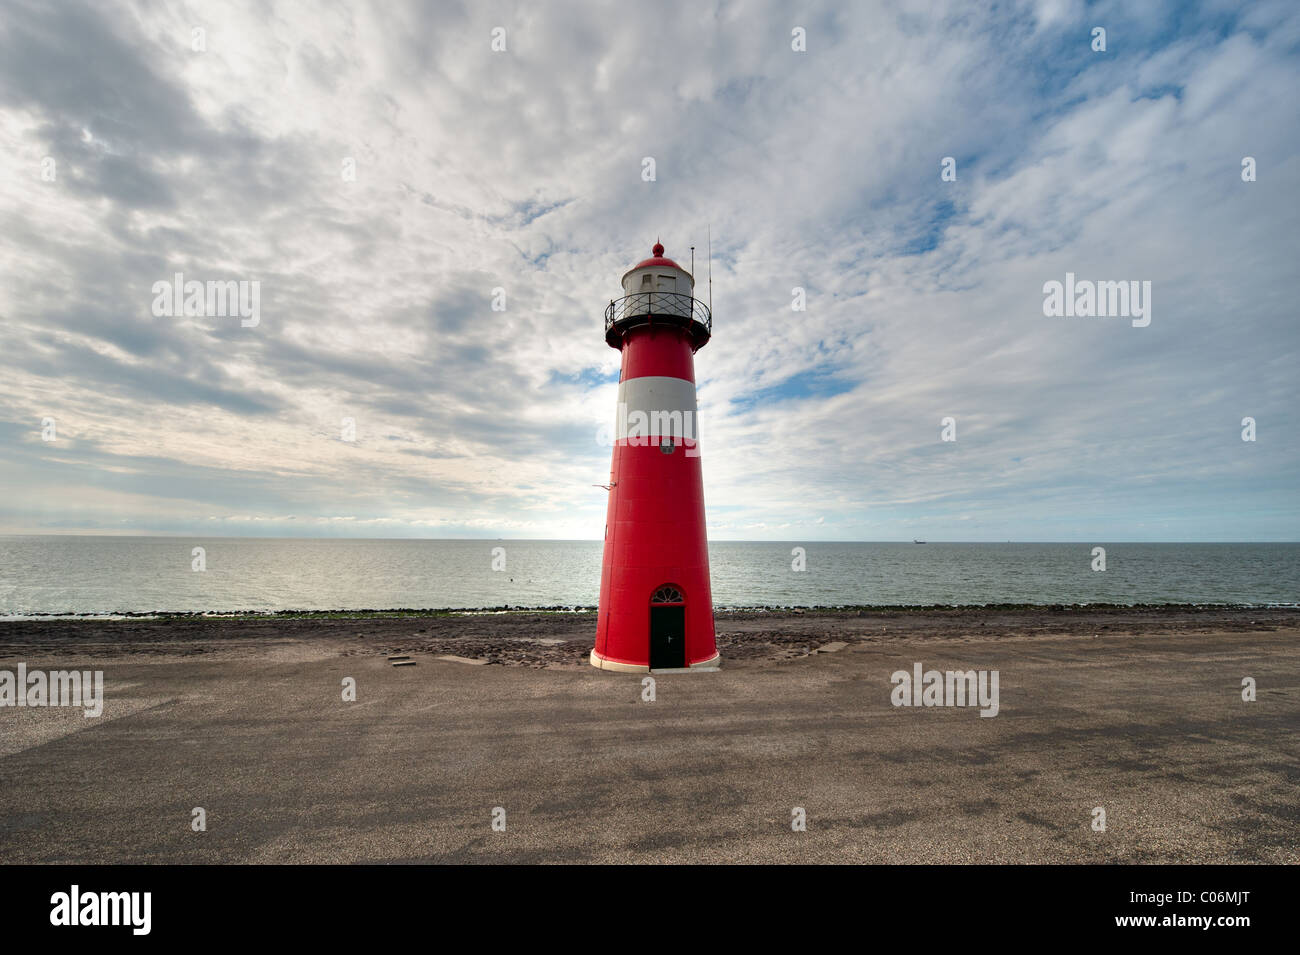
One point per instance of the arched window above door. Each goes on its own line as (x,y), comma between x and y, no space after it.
(667,594)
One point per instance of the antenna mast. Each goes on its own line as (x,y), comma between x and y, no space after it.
(710,235)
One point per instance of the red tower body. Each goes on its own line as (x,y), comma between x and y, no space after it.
(656,602)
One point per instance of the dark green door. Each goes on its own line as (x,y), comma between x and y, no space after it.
(667,638)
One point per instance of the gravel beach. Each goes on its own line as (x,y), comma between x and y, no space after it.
(1135,711)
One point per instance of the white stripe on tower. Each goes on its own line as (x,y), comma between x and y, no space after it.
(666,405)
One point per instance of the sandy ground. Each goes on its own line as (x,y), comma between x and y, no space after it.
(1135,711)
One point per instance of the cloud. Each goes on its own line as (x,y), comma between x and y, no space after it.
(521,170)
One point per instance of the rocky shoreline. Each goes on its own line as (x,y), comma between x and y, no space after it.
(548,638)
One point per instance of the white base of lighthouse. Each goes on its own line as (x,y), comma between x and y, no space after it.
(601,663)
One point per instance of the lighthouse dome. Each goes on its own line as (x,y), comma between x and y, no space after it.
(657,258)
(657,274)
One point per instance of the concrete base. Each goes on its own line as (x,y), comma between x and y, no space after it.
(706,666)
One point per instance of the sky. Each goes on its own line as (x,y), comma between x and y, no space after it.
(380,171)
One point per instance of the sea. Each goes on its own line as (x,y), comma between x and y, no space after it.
(102,575)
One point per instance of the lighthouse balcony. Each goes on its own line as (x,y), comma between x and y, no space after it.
(658,308)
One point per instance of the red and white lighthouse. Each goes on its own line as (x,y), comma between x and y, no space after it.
(656,604)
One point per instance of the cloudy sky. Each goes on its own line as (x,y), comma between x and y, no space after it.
(127,155)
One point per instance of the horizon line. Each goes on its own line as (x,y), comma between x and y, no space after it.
(594,540)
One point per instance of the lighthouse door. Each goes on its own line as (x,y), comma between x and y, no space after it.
(667,638)
(667,629)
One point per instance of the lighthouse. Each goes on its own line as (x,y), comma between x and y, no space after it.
(656,604)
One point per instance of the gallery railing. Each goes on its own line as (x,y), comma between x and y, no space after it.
(647,306)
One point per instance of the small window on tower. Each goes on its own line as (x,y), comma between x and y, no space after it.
(647,280)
